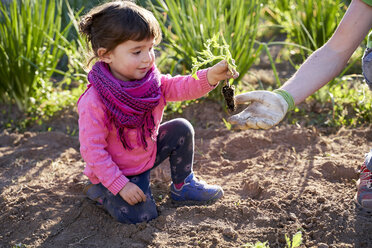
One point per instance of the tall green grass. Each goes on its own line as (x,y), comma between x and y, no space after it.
(306,23)
(187,25)
(31,42)
(76,6)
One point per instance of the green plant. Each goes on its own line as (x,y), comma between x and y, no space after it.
(30,48)
(40,95)
(258,244)
(227,124)
(206,56)
(295,242)
(75,50)
(187,25)
(347,102)
(351,103)
(307,23)
(76,6)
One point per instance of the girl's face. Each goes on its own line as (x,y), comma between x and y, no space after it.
(131,60)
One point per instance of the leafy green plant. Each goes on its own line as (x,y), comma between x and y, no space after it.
(351,103)
(187,25)
(206,56)
(295,242)
(348,102)
(258,244)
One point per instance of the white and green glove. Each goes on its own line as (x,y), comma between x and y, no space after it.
(266,109)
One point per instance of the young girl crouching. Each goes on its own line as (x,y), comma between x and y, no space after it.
(121,138)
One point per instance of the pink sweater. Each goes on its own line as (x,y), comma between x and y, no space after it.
(107,161)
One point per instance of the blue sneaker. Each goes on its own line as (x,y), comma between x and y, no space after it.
(195,190)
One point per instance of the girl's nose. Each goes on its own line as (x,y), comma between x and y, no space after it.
(147,57)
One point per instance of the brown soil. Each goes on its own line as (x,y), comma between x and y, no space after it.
(228,92)
(276,182)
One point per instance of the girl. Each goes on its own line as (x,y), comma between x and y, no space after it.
(121,138)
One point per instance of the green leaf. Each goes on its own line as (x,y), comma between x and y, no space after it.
(287,241)
(227,124)
(258,244)
(297,239)
(206,56)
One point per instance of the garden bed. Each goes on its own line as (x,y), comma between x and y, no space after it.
(276,182)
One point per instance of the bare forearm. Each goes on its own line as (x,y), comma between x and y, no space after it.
(328,61)
(320,68)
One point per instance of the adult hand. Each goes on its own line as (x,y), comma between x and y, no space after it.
(266,109)
(132,194)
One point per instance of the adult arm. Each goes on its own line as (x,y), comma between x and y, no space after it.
(328,61)
(267,109)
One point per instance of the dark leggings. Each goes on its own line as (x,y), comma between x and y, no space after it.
(176,142)
(367,66)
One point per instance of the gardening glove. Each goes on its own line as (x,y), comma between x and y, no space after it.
(266,109)
(367,62)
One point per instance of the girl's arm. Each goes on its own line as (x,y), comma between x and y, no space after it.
(328,61)
(92,135)
(182,88)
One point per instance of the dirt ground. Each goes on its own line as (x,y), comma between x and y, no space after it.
(276,182)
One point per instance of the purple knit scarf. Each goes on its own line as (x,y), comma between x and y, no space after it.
(129,104)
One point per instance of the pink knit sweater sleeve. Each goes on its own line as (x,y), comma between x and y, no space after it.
(93,142)
(182,88)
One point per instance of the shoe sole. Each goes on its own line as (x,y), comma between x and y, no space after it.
(364,210)
(359,206)
(215,198)
(90,197)
(193,203)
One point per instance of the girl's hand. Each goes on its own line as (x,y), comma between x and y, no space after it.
(220,71)
(132,194)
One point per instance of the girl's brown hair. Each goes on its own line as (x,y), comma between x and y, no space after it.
(115,22)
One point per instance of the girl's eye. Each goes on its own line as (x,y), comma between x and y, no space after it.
(136,53)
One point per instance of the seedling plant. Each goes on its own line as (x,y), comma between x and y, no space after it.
(206,57)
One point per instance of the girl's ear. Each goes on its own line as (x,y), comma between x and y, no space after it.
(103,55)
